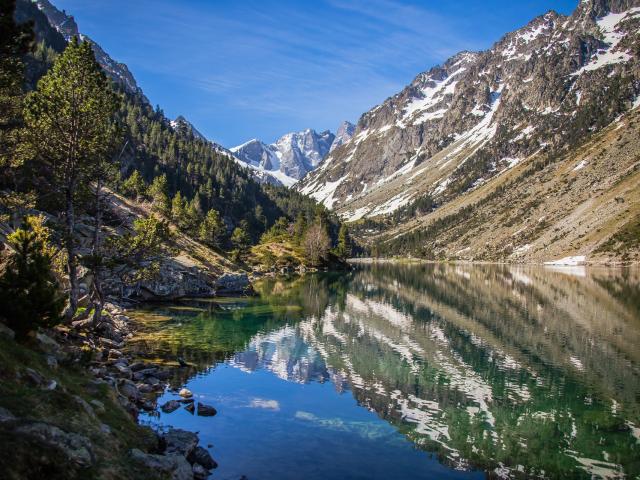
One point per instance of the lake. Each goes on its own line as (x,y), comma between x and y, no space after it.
(412,372)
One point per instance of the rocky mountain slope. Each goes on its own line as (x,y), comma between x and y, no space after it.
(463,127)
(291,157)
(67,26)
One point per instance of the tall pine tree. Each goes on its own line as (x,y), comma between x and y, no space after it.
(70,127)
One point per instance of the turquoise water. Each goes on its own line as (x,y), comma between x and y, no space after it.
(423,371)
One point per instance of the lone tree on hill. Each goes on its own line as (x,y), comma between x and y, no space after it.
(70,128)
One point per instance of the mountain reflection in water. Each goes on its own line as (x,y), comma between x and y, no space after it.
(517,371)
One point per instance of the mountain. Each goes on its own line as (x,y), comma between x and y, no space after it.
(451,138)
(343,135)
(68,28)
(291,157)
(182,123)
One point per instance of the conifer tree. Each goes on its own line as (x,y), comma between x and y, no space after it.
(159,193)
(134,186)
(29,294)
(212,228)
(70,127)
(15,42)
(343,250)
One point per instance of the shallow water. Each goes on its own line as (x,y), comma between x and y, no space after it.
(413,371)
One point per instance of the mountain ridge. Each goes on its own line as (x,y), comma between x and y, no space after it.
(459,125)
(293,155)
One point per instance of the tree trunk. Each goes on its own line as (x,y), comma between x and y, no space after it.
(98,297)
(72,265)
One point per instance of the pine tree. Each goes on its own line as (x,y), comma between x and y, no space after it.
(134,186)
(178,209)
(343,250)
(159,193)
(70,127)
(212,228)
(240,241)
(29,295)
(15,42)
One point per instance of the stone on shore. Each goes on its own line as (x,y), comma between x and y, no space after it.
(180,441)
(174,465)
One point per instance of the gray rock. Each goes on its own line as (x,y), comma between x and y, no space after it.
(123,370)
(180,441)
(144,388)
(52,361)
(129,390)
(85,406)
(106,429)
(137,366)
(174,465)
(7,332)
(201,456)
(47,344)
(199,472)
(170,406)
(97,405)
(206,410)
(152,381)
(185,392)
(77,448)
(6,415)
(233,283)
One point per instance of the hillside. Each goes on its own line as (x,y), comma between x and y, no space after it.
(464,129)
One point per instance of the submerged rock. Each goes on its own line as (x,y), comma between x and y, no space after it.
(206,410)
(170,406)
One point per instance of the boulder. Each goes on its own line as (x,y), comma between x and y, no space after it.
(180,441)
(46,344)
(77,448)
(170,406)
(174,281)
(97,405)
(6,415)
(82,403)
(233,283)
(129,390)
(7,332)
(201,456)
(206,410)
(199,472)
(185,393)
(190,407)
(175,467)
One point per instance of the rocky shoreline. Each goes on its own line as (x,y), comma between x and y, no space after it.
(135,385)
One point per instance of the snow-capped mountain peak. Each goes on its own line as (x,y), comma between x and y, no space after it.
(290,157)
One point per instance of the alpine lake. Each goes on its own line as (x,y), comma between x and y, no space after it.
(411,371)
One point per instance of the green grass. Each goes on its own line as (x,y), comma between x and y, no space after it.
(23,458)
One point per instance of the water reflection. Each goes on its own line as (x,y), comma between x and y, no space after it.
(515,370)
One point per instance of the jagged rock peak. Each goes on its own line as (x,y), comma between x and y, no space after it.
(68,28)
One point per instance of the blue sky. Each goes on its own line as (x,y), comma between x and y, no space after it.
(261,68)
